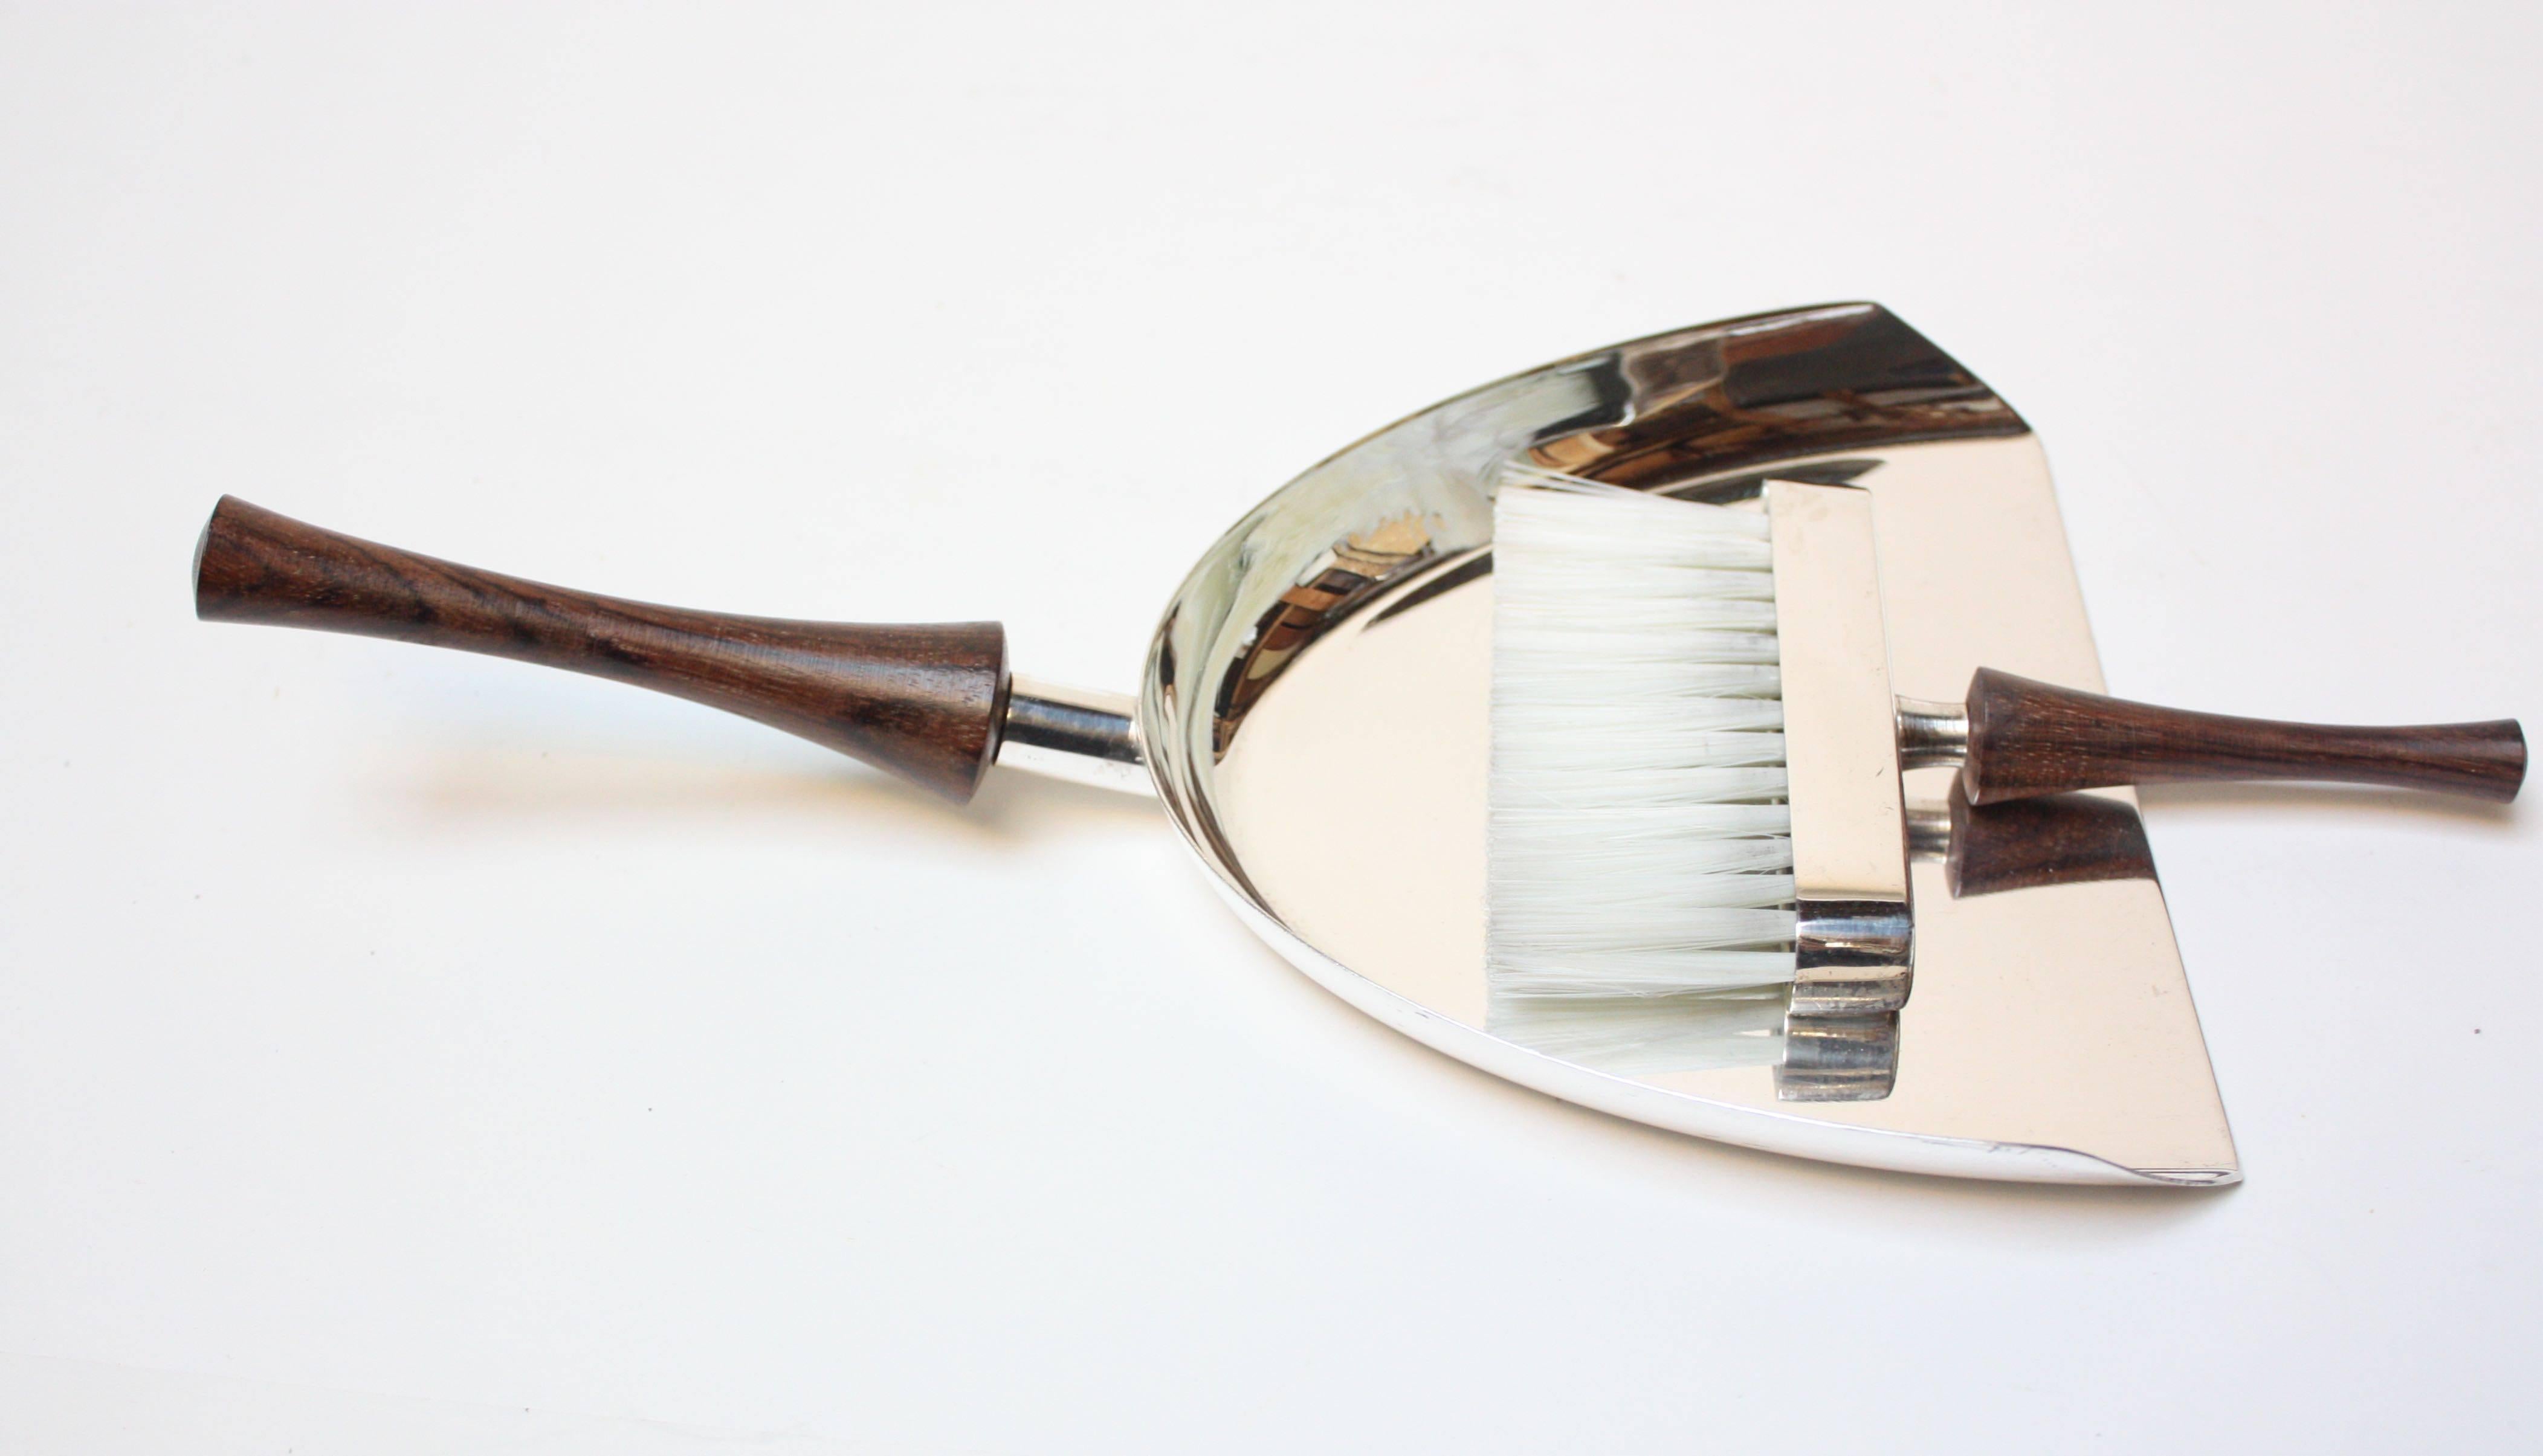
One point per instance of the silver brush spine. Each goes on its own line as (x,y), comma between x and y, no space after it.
(1854,938)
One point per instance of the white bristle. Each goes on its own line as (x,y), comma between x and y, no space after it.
(1641,1035)
(1641,877)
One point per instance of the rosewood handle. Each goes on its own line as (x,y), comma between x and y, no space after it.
(2029,738)
(926,703)
(2054,839)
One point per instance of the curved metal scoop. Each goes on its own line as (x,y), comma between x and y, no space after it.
(1316,720)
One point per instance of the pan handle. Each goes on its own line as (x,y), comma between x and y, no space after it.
(928,703)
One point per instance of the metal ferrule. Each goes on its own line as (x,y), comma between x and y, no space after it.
(1076,733)
(1931,734)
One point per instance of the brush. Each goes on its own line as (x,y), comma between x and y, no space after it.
(1696,825)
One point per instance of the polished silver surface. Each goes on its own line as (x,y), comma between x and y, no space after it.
(1838,1058)
(1931,734)
(1852,957)
(1076,733)
(1929,830)
(1854,941)
(1316,717)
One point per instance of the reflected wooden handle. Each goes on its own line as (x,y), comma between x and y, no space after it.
(2054,839)
(922,702)
(2029,738)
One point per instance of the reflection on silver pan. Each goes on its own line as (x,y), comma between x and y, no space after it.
(1315,715)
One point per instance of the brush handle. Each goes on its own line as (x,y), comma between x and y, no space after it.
(926,703)
(2028,739)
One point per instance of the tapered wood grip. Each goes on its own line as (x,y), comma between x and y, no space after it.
(925,703)
(2029,737)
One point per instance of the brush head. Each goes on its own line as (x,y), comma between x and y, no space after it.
(1676,839)
(1640,852)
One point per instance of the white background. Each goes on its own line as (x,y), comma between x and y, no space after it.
(404,1052)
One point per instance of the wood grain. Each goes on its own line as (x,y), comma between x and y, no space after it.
(2029,738)
(924,701)
(2055,839)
